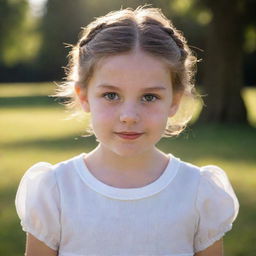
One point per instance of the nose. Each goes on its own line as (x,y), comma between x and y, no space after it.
(129,114)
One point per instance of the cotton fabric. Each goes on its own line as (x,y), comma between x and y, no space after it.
(184,211)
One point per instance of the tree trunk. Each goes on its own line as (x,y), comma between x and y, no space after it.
(223,79)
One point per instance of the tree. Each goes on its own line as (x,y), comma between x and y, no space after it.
(61,24)
(12,17)
(223,25)
(223,76)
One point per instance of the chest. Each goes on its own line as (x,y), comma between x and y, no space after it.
(162,223)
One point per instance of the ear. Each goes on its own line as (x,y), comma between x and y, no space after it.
(81,93)
(176,98)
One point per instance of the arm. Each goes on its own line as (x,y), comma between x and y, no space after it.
(214,250)
(35,247)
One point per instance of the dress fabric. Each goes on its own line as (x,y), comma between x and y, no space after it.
(184,211)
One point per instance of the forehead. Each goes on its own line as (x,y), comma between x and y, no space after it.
(131,69)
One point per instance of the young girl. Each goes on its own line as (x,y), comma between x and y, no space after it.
(130,70)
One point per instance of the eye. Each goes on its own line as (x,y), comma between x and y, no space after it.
(149,98)
(111,96)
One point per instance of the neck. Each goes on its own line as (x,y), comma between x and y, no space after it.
(147,160)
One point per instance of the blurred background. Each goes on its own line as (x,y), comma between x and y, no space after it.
(34,39)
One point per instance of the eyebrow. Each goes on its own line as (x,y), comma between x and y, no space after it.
(112,87)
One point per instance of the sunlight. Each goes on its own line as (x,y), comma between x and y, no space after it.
(37,7)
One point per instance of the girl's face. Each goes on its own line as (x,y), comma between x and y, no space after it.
(130,99)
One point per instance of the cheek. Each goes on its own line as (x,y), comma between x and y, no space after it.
(157,118)
(158,112)
(101,115)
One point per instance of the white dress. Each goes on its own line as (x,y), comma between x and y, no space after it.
(184,211)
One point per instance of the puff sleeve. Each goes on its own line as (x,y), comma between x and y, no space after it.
(37,204)
(217,207)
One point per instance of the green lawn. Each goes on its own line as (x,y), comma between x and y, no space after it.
(33,128)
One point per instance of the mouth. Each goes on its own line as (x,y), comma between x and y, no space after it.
(129,135)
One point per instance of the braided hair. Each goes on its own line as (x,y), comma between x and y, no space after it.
(121,32)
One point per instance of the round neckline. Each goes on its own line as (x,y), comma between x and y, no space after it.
(128,193)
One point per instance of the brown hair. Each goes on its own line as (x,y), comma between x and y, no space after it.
(121,32)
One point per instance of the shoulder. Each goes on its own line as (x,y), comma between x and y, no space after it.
(189,173)
(38,171)
(210,183)
(43,177)
(211,174)
(38,205)
(38,199)
(216,192)
(215,182)
(214,173)
(38,175)
(48,171)
(38,182)
(216,204)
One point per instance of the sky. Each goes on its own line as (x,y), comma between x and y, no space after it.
(37,6)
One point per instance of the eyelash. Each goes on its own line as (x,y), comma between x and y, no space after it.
(156,97)
(107,94)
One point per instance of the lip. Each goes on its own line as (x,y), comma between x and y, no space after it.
(129,135)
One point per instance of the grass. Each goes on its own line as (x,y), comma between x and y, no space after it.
(33,128)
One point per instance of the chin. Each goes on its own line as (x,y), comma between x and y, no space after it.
(126,149)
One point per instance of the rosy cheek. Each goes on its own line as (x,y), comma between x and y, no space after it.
(102,113)
(157,110)
(156,118)
(158,115)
